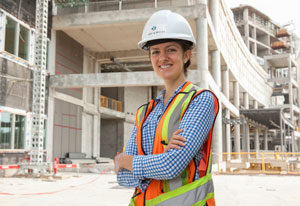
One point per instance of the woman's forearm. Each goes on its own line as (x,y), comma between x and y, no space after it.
(125,162)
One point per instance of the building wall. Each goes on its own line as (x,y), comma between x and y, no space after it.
(134,97)
(15,94)
(69,60)
(67,128)
(111,137)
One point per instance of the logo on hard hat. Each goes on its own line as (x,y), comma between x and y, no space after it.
(153,28)
(158,29)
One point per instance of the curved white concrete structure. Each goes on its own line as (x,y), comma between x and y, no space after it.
(249,74)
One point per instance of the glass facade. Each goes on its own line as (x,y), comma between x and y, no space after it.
(6,128)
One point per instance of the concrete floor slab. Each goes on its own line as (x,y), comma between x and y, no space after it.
(102,189)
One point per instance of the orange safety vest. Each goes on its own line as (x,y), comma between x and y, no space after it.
(182,190)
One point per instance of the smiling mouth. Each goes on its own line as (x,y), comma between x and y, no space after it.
(165,66)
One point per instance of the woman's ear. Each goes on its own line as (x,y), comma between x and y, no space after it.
(187,55)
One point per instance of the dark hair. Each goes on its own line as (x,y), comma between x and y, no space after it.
(185,45)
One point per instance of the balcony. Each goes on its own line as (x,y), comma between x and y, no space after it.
(282,33)
(280,45)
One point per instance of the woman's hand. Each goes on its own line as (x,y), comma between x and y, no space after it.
(123,161)
(116,166)
(176,141)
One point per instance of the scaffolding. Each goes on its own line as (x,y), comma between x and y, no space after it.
(39,83)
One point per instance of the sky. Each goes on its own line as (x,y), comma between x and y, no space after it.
(280,11)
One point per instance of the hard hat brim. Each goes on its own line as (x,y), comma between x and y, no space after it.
(188,38)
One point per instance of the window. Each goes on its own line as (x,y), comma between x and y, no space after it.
(24,43)
(5,130)
(16,39)
(19,132)
(10,30)
(7,137)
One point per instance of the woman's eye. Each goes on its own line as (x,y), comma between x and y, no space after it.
(171,50)
(154,53)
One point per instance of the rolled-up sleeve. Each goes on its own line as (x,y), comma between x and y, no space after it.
(125,177)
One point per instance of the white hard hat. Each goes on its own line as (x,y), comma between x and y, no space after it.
(165,24)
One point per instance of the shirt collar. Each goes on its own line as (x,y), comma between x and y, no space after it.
(160,96)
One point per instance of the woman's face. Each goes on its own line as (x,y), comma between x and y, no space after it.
(168,60)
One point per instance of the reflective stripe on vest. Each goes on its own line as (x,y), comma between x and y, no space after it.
(178,188)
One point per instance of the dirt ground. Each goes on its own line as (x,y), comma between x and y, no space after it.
(101,189)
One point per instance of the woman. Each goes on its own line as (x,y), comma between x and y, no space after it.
(167,158)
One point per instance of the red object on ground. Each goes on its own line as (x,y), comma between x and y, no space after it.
(5,167)
(56,165)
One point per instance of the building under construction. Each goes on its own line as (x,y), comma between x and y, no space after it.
(97,77)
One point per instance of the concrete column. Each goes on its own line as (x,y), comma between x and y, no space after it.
(237,135)
(228,134)
(255,104)
(216,67)
(86,60)
(247,134)
(266,140)
(291,95)
(293,142)
(50,112)
(246,100)
(96,136)
(246,147)
(84,118)
(216,73)
(98,69)
(254,35)
(96,118)
(236,96)
(256,140)
(84,132)
(99,134)
(217,137)
(225,82)
(288,140)
(214,13)
(246,26)
(202,48)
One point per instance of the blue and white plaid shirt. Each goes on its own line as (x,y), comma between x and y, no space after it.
(196,123)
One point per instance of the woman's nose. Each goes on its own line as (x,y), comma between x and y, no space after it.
(163,56)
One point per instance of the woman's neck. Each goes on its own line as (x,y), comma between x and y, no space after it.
(171,87)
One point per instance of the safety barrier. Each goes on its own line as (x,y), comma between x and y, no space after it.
(5,167)
(259,163)
(57,166)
